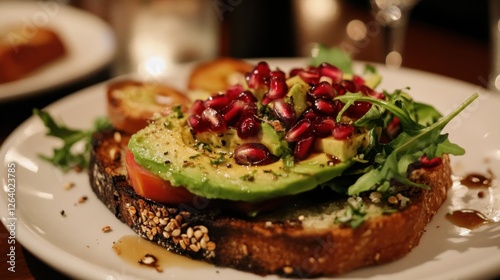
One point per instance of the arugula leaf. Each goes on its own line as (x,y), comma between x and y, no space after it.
(65,157)
(416,140)
(334,56)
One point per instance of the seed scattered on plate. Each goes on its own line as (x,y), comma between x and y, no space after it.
(69,185)
(106,229)
(151,261)
(82,199)
(63,213)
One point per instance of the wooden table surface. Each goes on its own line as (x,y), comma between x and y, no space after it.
(450,53)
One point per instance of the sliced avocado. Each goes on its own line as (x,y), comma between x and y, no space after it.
(273,140)
(342,149)
(166,149)
(373,80)
(214,142)
(298,97)
(227,141)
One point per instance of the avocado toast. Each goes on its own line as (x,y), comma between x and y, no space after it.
(305,174)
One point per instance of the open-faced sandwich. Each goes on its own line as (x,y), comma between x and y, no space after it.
(305,172)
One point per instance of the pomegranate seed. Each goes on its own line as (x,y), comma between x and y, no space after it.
(393,127)
(277,88)
(342,131)
(339,89)
(215,120)
(323,127)
(250,109)
(232,112)
(234,91)
(430,163)
(257,78)
(197,107)
(246,96)
(309,114)
(371,92)
(253,154)
(198,125)
(358,109)
(328,70)
(217,102)
(358,81)
(284,112)
(299,131)
(322,90)
(350,86)
(295,71)
(266,100)
(324,107)
(277,74)
(248,127)
(303,148)
(309,76)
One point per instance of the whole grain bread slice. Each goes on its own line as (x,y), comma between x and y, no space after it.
(299,240)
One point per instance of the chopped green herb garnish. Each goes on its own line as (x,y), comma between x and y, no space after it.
(66,157)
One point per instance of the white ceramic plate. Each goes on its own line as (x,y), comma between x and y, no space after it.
(76,245)
(89,40)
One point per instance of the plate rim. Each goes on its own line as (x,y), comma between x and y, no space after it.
(15,89)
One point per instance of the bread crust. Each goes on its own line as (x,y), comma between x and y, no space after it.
(273,243)
(20,55)
(214,76)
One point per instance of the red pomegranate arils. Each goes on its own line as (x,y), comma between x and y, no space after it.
(277,74)
(197,124)
(247,127)
(253,154)
(284,112)
(234,91)
(257,78)
(295,71)
(342,131)
(300,130)
(246,96)
(215,120)
(323,127)
(358,81)
(338,89)
(324,107)
(309,76)
(350,86)
(303,148)
(328,70)
(277,88)
(322,90)
(309,114)
(197,107)
(358,109)
(232,112)
(430,163)
(217,102)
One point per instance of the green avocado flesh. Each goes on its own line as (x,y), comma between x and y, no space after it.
(168,149)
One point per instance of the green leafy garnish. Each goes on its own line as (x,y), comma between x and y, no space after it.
(334,56)
(421,136)
(66,157)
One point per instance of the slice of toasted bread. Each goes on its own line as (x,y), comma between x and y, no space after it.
(216,75)
(21,54)
(131,104)
(300,240)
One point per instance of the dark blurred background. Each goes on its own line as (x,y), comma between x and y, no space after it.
(260,28)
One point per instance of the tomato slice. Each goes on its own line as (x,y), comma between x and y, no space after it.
(148,185)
